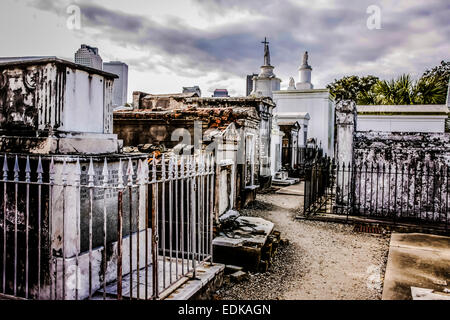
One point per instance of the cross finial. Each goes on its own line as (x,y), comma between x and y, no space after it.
(266,52)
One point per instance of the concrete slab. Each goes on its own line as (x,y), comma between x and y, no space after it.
(285,182)
(417,261)
(251,230)
(295,190)
(243,243)
(428,294)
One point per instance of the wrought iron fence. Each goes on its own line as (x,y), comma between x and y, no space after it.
(85,228)
(306,156)
(416,193)
(318,183)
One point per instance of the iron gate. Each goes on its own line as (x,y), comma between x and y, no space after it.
(80,229)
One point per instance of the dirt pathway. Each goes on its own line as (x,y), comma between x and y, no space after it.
(322,261)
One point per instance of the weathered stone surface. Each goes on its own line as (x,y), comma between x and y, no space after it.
(236,129)
(346,112)
(402,174)
(49,95)
(416,260)
(239,276)
(229,216)
(229,268)
(402,147)
(209,279)
(89,144)
(246,244)
(345,133)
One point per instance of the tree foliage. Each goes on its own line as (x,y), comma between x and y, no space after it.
(431,88)
(440,72)
(351,87)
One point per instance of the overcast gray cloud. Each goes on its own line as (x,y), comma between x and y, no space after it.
(415,35)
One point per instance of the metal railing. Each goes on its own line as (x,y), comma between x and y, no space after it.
(318,185)
(387,191)
(88,229)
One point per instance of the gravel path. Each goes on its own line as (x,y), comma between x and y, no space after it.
(322,261)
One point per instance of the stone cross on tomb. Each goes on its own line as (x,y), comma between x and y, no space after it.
(266,52)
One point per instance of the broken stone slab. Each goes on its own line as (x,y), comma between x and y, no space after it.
(428,294)
(239,276)
(229,216)
(229,269)
(249,231)
(243,244)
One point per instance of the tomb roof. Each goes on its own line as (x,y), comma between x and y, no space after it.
(417,109)
(39,60)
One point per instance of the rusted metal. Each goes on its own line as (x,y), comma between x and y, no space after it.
(181,213)
(5,178)
(27,223)
(52,261)
(130,230)
(177,238)
(188,215)
(130,221)
(193,217)
(163,229)
(91,175)
(170,218)
(146,173)
(138,231)
(119,231)
(210,210)
(155,236)
(119,243)
(64,186)
(105,175)
(16,213)
(182,180)
(77,226)
(40,171)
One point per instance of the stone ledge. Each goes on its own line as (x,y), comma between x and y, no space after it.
(206,275)
(91,144)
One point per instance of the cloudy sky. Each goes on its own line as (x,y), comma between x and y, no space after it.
(215,43)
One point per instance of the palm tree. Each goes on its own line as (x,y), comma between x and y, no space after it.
(427,90)
(385,92)
(431,88)
(404,88)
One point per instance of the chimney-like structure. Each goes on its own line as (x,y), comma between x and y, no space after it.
(266,82)
(305,74)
